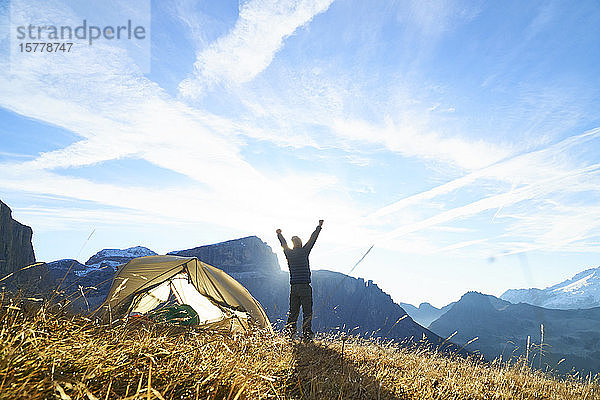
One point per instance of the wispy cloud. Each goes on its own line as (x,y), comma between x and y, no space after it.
(410,138)
(119,113)
(9,154)
(537,177)
(74,216)
(250,46)
(521,169)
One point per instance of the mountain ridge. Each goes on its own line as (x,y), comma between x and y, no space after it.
(236,255)
(580,291)
(503,328)
(425,313)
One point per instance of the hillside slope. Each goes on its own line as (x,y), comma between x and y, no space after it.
(43,356)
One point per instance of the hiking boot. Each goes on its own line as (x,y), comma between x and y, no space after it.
(307,337)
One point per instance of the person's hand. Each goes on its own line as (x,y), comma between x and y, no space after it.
(321,222)
(278,231)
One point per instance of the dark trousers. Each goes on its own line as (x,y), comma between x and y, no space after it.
(300,295)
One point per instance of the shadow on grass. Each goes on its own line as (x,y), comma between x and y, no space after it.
(322,373)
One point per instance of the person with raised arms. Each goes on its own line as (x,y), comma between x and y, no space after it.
(300,289)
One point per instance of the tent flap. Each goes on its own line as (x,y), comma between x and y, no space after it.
(186,293)
(149,300)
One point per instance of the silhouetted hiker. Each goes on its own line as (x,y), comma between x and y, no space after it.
(300,289)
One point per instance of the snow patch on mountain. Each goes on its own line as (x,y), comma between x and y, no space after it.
(577,286)
(132,252)
(112,258)
(581,291)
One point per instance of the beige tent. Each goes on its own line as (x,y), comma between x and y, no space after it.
(145,284)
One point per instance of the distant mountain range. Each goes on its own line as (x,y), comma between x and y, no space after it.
(425,314)
(238,256)
(502,328)
(344,303)
(581,291)
(341,303)
(83,286)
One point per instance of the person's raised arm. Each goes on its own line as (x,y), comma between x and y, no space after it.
(282,240)
(313,238)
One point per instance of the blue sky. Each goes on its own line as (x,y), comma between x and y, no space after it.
(461,138)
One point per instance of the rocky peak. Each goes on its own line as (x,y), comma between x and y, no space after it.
(248,254)
(479,302)
(16,250)
(578,284)
(116,257)
(426,306)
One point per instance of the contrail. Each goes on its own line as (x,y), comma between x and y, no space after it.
(473,176)
(347,274)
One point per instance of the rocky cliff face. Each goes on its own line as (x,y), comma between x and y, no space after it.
(249,254)
(16,250)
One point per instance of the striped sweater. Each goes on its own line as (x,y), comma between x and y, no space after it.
(297,258)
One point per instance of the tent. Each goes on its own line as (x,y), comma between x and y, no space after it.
(183,289)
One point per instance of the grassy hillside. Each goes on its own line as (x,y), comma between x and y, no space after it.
(44,355)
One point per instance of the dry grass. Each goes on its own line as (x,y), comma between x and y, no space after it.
(44,355)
